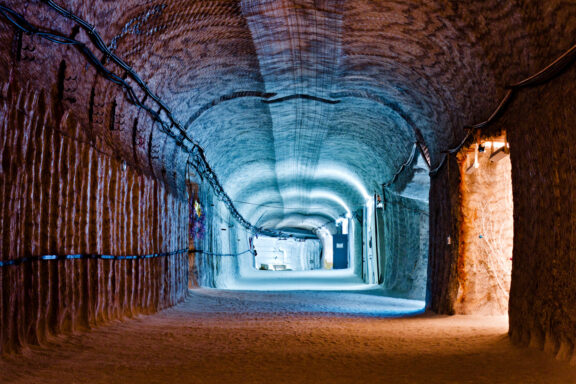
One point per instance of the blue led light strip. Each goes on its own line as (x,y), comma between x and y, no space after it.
(6,263)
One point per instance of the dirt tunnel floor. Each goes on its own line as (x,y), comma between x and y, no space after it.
(257,337)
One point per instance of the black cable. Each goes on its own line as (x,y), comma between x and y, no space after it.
(501,106)
(546,74)
(402,167)
(552,69)
(197,152)
(99,43)
(303,96)
(221,99)
(225,254)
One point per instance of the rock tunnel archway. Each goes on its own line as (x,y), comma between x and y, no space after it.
(272,103)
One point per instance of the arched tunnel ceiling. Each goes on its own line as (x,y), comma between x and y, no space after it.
(304,108)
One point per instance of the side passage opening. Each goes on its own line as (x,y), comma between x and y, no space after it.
(287,254)
(485,257)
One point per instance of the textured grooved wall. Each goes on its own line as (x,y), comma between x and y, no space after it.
(542,141)
(487,232)
(59,194)
(213,242)
(442,285)
(542,306)
(405,247)
(194,229)
(400,70)
(398,67)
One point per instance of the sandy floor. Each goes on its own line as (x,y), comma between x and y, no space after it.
(257,337)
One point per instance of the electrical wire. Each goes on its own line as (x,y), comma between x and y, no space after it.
(503,103)
(275,206)
(225,254)
(197,152)
(402,167)
(552,70)
(561,63)
(181,138)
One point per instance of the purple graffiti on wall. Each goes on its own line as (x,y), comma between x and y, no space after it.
(197,220)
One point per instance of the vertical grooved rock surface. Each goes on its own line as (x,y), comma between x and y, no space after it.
(542,141)
(60,195)
(444,239)
(302,108)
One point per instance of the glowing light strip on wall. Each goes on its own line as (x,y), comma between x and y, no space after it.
(7,263)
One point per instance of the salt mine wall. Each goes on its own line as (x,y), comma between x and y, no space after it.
(70,213)
(222,244)
(237,257)
(486,233)
(542,304)
(405,247)
(543,290)
(195,229)
(471,236)
(445,202)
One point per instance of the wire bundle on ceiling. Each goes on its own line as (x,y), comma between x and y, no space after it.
(172,127)
(548,73)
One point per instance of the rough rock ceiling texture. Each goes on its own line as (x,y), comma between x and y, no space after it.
(302,106)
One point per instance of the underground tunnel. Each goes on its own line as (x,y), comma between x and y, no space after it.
(287,191)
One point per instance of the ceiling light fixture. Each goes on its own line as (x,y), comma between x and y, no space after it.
(476,163)
(501,152)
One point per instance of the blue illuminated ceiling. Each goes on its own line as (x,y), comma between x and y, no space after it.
(304,108)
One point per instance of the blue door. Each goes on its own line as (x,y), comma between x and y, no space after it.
(340,244)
